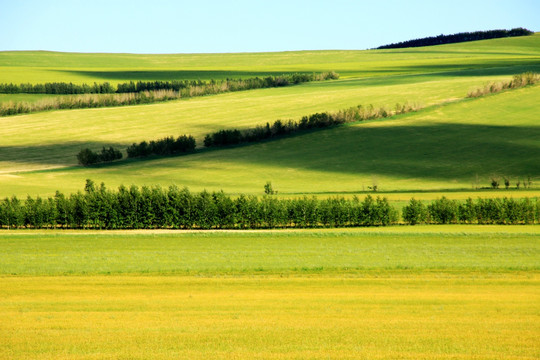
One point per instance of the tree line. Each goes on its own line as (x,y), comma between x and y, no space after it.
(186,143)
(155,207)
(459,37)
(175,85)
(314,121)
(480,211)
(157,91)
(166,146)
(88,157)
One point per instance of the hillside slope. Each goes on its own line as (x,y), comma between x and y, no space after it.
(43,66)
(457,145)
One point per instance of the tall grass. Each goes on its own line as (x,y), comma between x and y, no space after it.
(518,81)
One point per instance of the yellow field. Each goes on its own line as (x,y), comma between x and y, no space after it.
(429,316)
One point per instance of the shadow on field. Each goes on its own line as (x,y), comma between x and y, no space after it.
(51,154)
(480,68)
(445,151)
(168,75)
(442,151)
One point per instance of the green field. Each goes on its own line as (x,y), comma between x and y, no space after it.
(400,292)
(448,145)
(432,292)
(490,57)
(422,248)
(415,156)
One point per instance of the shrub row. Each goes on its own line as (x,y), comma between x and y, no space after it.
(459,37)
(87,101)
(165,146)
(155,207)
(313,121)
(176,85)
(57,88)
(88,157)
(481,211)
(151,92)
(517,81)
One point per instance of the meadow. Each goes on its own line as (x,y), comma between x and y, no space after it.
(37,154)
(431,292)
(418,249)
(397,292)
(408,152)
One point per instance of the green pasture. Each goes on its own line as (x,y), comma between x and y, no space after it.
(42,66)
(52,139)
(416,249)
(401,292)
(417,292)
(462,145)
(454,143)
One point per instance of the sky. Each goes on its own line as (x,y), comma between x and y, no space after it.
(207,26)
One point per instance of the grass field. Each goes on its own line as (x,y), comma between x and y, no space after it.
(446,147)
(63,133)
(490,55)
(422,248)
(402,292)
(431,292)
(406,153)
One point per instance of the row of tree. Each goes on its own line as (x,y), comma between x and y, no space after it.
(175,85)
(313,121)
(166,146)
(459,37)
(159,91)
(186,143)
(480,211)
(155,207)
(57,88)
(88,157)
(87,101)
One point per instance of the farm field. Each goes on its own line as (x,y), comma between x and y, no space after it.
(486,56)
(397,292)
(427,292)
(416,155)
(327,251)
(37,153)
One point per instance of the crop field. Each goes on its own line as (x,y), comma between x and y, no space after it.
(431,292)
(415,155)
(397,292)
(37,153)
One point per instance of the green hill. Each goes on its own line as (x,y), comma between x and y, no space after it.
(453,146)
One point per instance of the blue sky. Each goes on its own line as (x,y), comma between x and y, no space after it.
(205,26)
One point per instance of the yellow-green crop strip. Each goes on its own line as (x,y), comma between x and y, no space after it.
(428,292)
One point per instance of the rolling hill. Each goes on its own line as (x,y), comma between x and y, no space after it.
(454,143)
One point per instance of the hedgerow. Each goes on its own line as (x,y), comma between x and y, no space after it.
(155,207)
(482,211)
(88,157)
(314,121)
(103,95)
